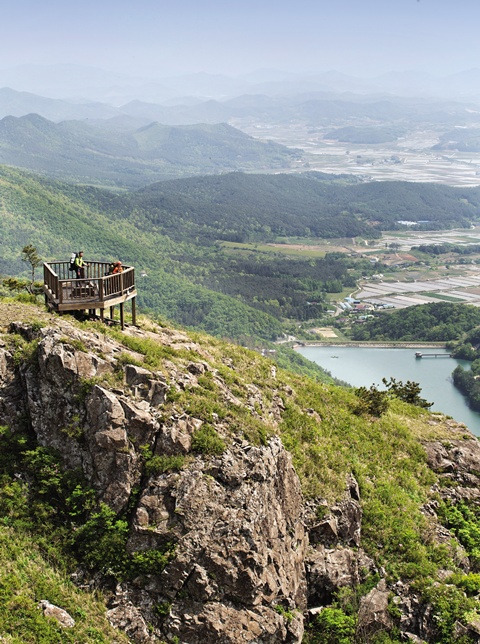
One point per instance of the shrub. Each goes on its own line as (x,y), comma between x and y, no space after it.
(409,392)
(23,351)
(464,522)
(449,604)
(207,441)
(287,615)
(101,542)
(332,626)
(150,562)
(371,401)
(164,463)
(470,582)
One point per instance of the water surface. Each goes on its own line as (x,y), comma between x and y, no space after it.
(364,366)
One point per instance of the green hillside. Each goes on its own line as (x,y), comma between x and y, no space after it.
(442,321)
(240,207)
(185,282)
(98,155)
(174,230)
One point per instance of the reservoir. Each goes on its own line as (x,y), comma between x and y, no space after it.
(364,366)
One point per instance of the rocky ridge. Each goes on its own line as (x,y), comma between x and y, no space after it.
(254,560)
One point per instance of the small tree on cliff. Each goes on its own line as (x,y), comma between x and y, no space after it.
(33,259)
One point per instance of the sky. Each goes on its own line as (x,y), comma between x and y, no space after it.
(157,38)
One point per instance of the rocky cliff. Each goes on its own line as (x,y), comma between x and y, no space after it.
(183,441)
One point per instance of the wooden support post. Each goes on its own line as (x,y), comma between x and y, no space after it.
(134,312)
(102,315)
(112,312)
(122,321)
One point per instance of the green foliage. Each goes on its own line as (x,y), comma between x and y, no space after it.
(332,626)
(371,401)
(62,506)
(287,205)
(449,605)
(24,352)
(87,385)
(122,359)
(440,321)
(154,352)
(464,351)
(163,609)
(464,521)
(29,574)
(469,582)
(409,392)
(14,284)
(101,542)
(443,249)
(164,463)
(153,153)
(32,258)
(288,615)
(466,382)
(207,441)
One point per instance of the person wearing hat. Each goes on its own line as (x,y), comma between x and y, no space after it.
(117,267)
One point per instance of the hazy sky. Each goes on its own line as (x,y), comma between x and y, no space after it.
(162,37)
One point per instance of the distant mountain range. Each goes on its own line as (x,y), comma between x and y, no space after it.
(90,84)
(313,108)
(129,158)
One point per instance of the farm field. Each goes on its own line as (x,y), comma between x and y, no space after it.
(407,159)
(403,294)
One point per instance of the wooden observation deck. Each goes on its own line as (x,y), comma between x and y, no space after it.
(97,290)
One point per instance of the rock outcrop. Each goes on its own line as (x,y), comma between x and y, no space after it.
(252,560)
(236,519)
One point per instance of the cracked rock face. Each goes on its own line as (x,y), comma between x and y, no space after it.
(236,520)
(240,540)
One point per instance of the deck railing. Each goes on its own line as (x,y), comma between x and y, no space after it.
(96,287)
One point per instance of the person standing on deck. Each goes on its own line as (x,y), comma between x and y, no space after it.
(80,265)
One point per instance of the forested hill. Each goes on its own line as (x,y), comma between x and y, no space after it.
(34,210)
(240,206)
(171,232)
(100,155)
(432,322)
(194,285)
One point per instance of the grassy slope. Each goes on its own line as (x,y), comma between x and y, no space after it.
(28,576)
